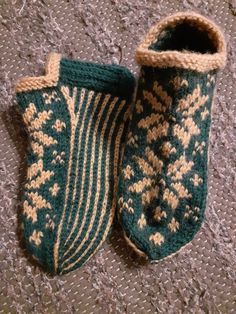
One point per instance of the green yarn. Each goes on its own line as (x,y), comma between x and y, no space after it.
(137,157)
(163,182)
(111,79)
(75,131)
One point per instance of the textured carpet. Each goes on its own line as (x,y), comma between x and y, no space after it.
(199,279)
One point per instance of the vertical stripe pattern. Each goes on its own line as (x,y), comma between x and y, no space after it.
(75,116)
(96,129)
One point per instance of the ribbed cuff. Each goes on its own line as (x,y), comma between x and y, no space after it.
(110,79)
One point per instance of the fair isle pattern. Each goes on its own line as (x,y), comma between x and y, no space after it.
(164,173)
(164,168)
(70,194)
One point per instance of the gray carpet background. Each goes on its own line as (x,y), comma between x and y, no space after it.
(199,279)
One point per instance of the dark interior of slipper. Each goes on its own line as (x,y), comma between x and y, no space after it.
(184,37)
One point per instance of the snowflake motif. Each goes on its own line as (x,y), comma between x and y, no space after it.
(54,189)
(173,225)
(196,180)
(157,238)
(158,214)
(59,125)
(142,222)
(36,237)
(128,172)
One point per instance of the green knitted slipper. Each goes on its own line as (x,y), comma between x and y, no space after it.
(163,183)
(75,116)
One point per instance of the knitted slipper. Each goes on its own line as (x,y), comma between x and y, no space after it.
(75,116)
(163,185)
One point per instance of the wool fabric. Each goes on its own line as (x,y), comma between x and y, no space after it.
(76,116)
(163,182)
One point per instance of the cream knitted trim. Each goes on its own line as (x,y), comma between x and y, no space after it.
(48,80)
(193,61)
(134,247)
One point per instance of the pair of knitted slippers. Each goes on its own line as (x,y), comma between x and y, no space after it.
(77,119)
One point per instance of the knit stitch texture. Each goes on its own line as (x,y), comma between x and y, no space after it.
(163,182)
(75,116)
